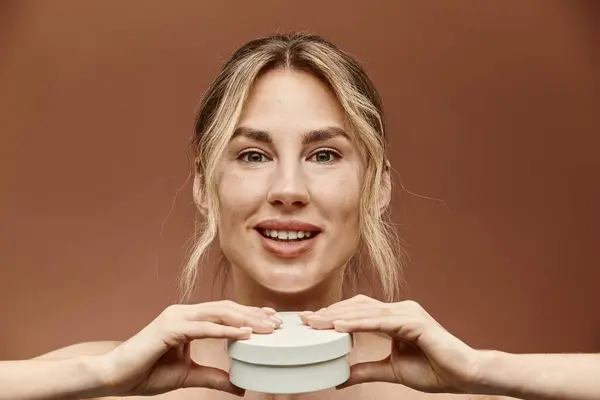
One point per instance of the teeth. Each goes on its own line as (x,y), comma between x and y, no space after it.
(286,235)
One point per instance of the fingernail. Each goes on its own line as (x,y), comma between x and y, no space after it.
(269,322)
(268,310)
(276,319)
(246,329)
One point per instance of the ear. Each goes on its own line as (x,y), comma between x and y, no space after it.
(385,191)
(199,193)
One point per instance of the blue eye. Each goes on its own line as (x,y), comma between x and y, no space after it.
(253,157)
(324,156)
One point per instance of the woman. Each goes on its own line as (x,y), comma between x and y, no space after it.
(292,179)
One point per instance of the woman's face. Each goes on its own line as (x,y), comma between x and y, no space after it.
(289,186)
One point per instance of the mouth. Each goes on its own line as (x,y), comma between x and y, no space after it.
(287,235)
(287,239)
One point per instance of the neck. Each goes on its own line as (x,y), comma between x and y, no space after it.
(249,292)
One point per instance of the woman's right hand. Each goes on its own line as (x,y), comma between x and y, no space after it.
(157,359)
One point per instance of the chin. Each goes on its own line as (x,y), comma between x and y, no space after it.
(288,282)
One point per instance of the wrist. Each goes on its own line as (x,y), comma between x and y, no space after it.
(95,383)
(497,374)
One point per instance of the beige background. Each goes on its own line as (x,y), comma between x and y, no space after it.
(492,107)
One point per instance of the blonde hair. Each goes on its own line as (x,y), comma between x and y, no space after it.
(220,109)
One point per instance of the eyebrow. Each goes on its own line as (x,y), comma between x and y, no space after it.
(309,137)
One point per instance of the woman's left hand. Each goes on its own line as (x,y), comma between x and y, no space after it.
(423,356)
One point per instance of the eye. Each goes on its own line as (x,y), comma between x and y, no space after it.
(324,156)
(252,156)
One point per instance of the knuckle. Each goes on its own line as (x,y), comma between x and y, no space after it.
(414,305)
(166,324)
(361,298)
(173,309)
(168,310)
(171,313)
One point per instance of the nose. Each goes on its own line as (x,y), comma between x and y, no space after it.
(289,189)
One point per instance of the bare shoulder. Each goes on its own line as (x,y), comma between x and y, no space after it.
(80,349)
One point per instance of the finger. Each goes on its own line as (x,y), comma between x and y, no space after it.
(374,371)
(236,318)
(265,313)
(359,299)
(345,307)
(355,302)
(269,310)
(204,330)
(325,320)
(304,315)
(408,308)
(260,313)
(401,327)
(212,378)
(156,340)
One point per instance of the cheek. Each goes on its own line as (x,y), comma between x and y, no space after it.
(339,197)
(239,196)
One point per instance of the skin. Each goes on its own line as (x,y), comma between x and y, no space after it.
(317,182)
(398,347)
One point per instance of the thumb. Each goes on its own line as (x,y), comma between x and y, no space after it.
(211,378)
(373,371)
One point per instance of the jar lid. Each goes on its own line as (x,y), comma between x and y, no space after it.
(294,343)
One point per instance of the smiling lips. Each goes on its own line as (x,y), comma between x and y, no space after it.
(287,239)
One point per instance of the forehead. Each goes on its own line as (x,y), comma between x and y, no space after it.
(286,100)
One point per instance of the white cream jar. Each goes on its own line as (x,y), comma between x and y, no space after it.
(293,359)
